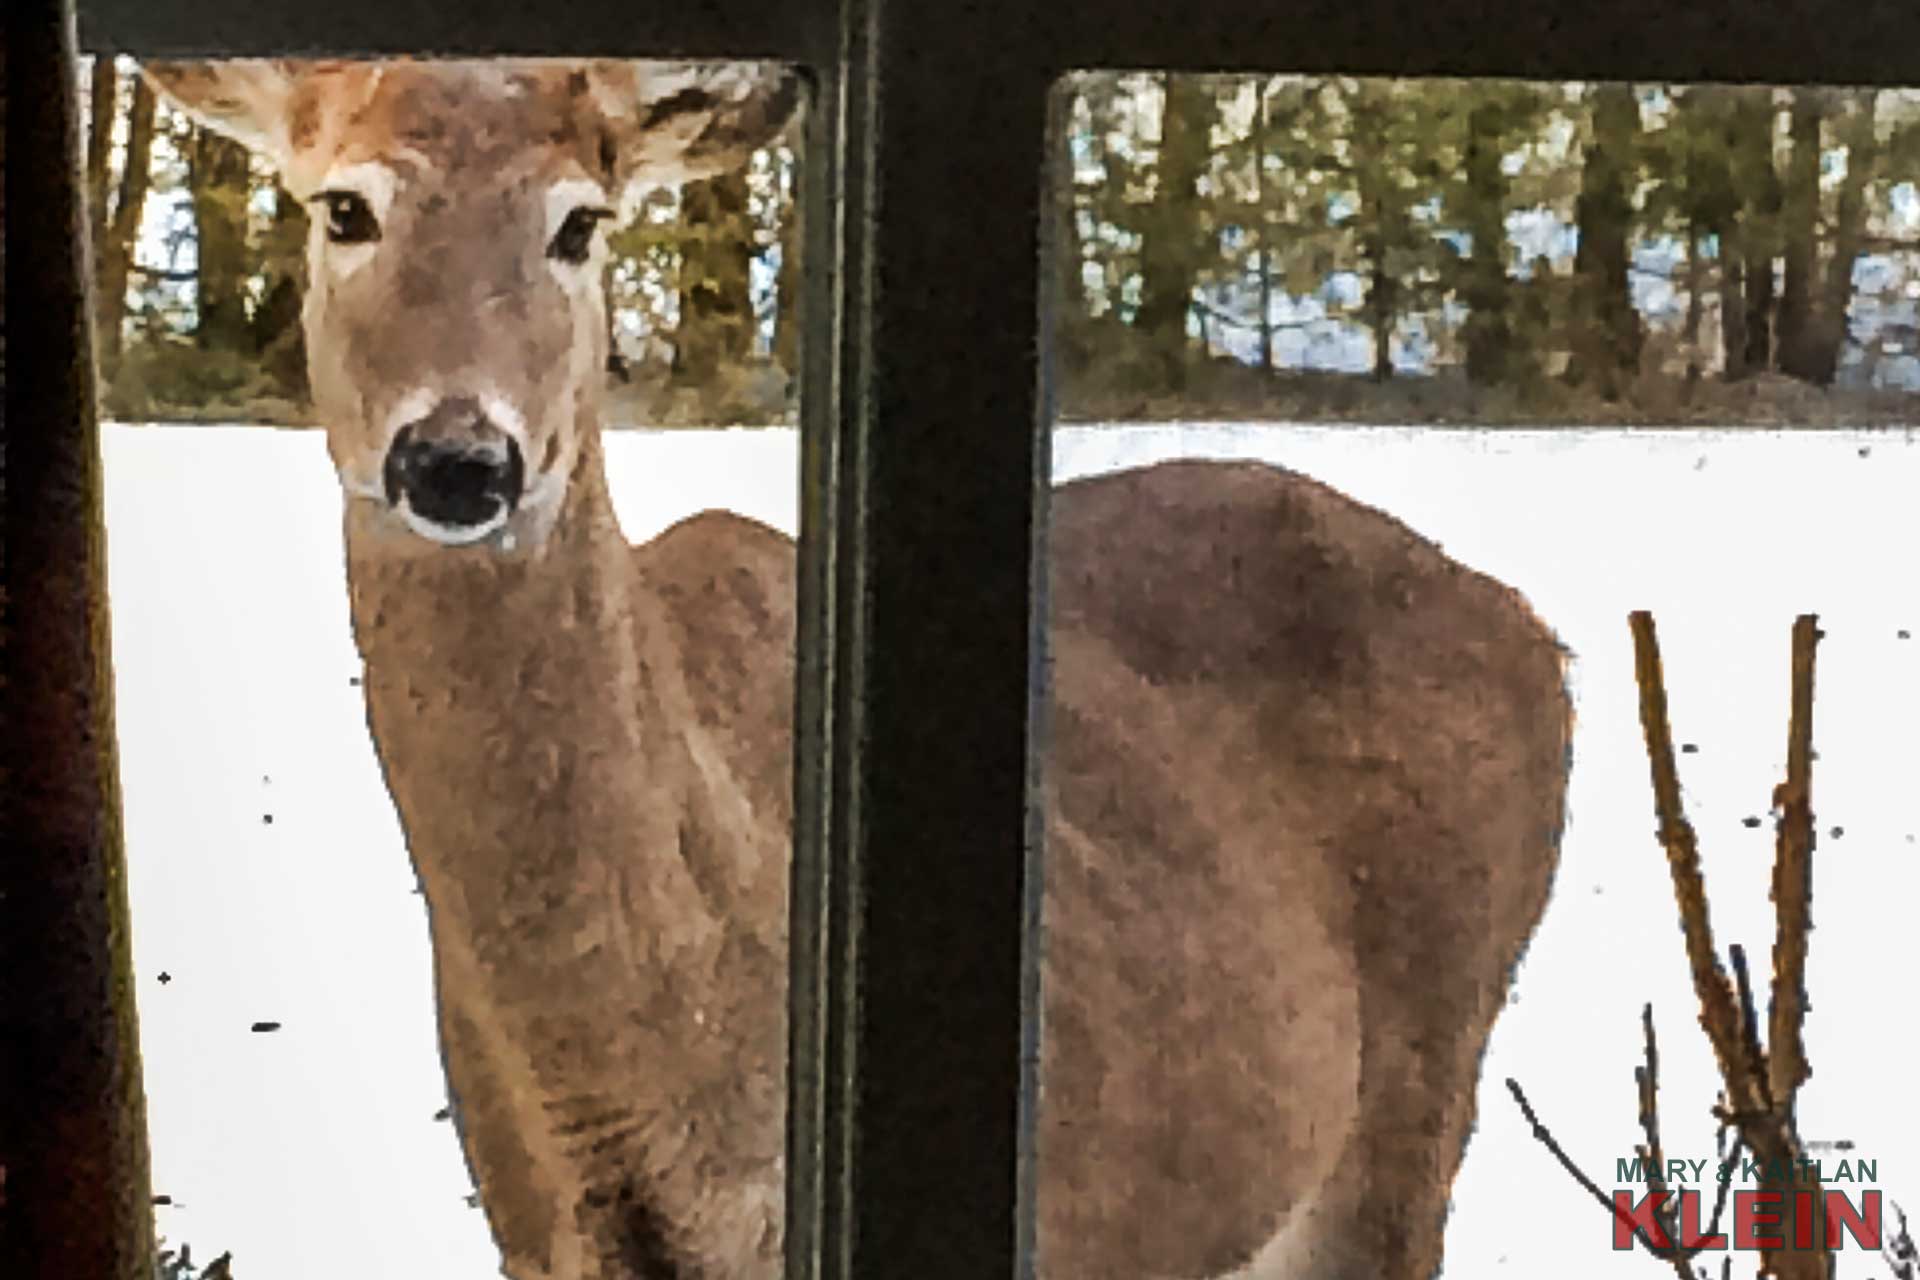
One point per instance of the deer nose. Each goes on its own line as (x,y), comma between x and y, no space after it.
(459,483)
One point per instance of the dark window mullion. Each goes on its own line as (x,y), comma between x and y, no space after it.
(825,582)
(936,459)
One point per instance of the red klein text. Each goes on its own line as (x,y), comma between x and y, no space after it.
(1773,1220)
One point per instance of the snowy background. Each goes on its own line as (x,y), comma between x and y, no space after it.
(269,881)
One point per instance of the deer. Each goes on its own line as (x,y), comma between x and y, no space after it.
(1304,779)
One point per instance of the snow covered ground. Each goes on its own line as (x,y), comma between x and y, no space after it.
(269,881)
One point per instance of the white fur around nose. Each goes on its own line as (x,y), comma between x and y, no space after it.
(506,416)
(452,535)
(540,497)
(410,407)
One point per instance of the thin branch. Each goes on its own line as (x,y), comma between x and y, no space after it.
(1719,1016)
(1668,1212)
(1729,1156)
(1888,244)
(1897,1248)
(1749,1020)
(1648,1078)
(1793,880)
(1547,1140)
(162,273)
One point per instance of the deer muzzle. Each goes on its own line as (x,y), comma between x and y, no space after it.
(454,475)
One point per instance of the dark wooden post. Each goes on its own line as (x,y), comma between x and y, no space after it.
(926,439)
(77,1201)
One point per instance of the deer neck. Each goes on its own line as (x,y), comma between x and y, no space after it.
(523,707)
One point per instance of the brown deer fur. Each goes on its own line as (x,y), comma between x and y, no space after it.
(1303,786)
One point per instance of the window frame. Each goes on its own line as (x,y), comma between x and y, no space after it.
(916,872)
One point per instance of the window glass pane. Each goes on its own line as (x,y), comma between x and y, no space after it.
(1373,393)
(509,315)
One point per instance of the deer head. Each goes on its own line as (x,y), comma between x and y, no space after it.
(455,324)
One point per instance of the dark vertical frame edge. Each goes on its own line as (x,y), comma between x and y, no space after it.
(817,1096)
(1056,177)
(77,1198)
(942,375)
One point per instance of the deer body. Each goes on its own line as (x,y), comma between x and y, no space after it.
(1303,782)
(600,830)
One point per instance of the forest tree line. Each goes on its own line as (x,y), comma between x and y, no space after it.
(1595,250)
(1266,246)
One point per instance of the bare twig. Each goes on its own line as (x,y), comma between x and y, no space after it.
(1760,1083)
(1726,1184)
(1899,1250)
(1546,1139)
(1667,1214)
(1648,1078)
(1749,1021)
(162,273)
(1793,880)
(1719,1016)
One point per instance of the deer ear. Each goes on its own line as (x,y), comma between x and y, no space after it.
(669,123)
(247,99)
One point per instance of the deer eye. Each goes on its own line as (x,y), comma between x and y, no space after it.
(349,220)
(574,240)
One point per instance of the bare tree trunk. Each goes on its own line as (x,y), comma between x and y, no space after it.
(1489,324)
(1077,338)
(1383,301)
(276,335)
(1695,282)
(1733,306)
(1759,184)
(1713,207)
(103,106)
(715,332)
(1167,253)
(1823,363)
(218,170)
(1072,342)
(1800,208)
(788,283)
(1382,227)
(1760,303)
(113,259)
(1607,336)
(1263,220)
